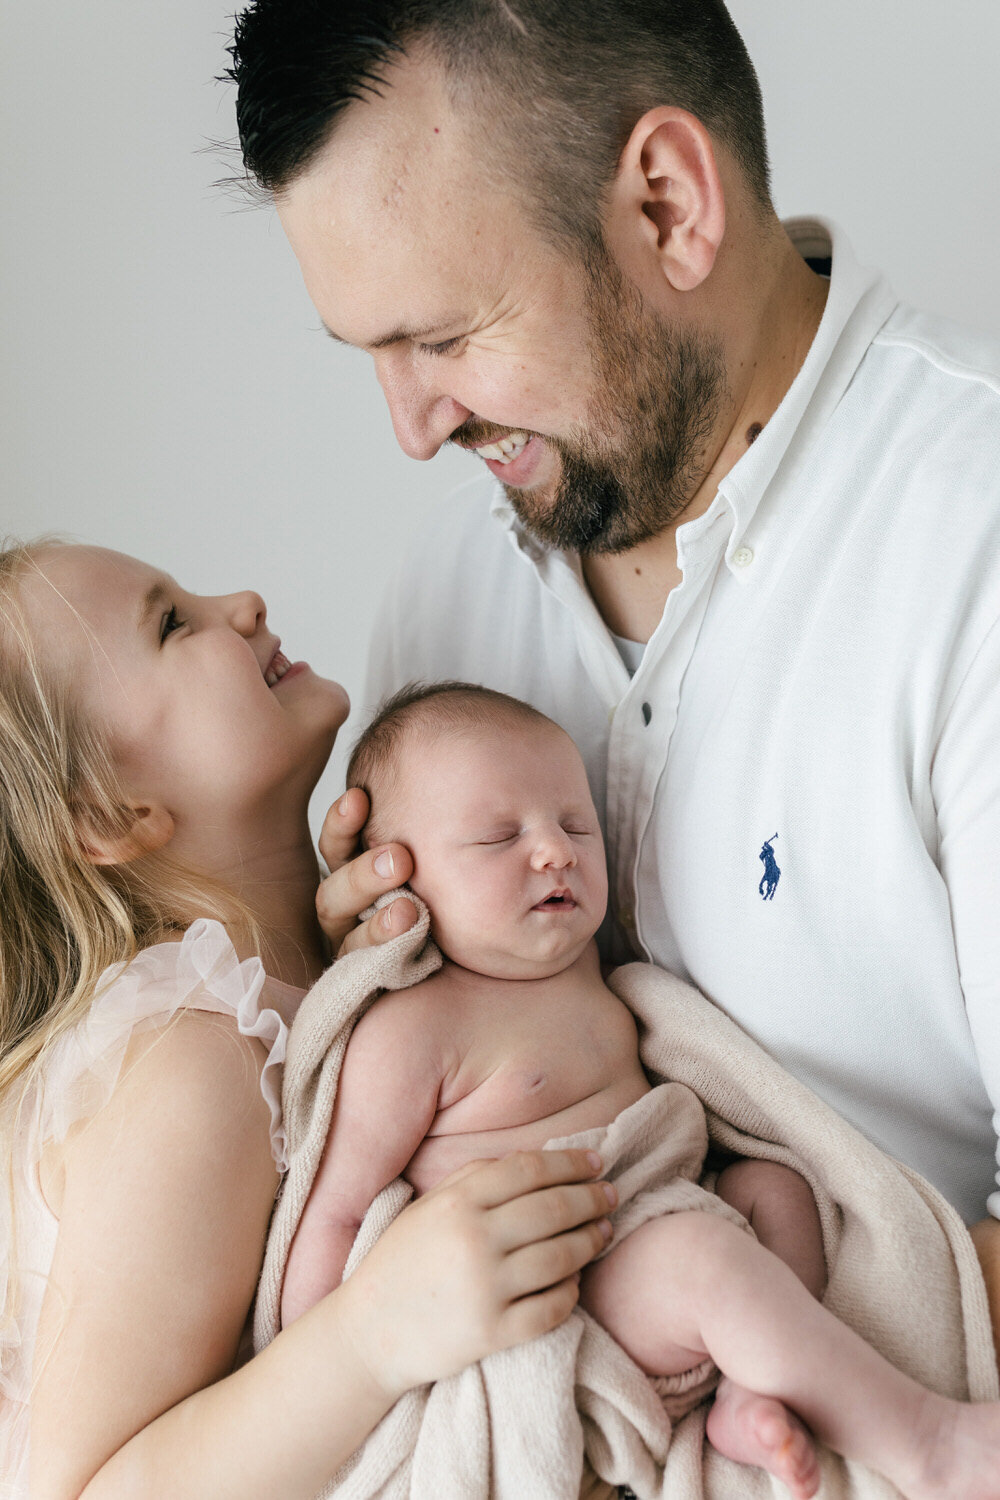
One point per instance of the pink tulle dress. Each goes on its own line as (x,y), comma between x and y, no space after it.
(201,972)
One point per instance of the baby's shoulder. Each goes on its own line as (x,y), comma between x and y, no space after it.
(413,1016)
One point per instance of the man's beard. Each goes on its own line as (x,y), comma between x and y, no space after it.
(659,392)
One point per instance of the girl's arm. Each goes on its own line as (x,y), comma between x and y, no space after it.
(163,1217)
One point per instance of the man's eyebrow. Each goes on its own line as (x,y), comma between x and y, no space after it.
(397,336)
(155,595)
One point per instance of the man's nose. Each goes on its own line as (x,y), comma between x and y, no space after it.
(423,415)
(553,850)
(245,611)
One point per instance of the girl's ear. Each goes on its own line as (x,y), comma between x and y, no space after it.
(136,830)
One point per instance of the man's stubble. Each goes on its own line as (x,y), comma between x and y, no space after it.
(658,393)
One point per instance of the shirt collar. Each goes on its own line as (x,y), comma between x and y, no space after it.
(859,302)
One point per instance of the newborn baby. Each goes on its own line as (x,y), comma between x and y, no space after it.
(517,1041)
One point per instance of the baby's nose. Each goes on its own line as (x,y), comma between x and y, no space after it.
(554,849)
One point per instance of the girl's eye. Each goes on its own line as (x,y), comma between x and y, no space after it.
(500,838)
(447,346)
(171,621)
(577,833)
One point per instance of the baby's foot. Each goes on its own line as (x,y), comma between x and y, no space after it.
(759,1430)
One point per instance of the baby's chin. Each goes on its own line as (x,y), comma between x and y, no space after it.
(515,965)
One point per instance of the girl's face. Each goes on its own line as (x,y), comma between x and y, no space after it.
(206,717)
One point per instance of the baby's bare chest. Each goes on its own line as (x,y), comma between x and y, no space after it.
(526,1067)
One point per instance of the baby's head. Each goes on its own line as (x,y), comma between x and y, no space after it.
(491,798)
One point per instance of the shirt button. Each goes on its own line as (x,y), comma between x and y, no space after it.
(742,557)
(626,917)
(611,715)
(647,713)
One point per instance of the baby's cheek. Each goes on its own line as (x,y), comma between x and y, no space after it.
(468,932)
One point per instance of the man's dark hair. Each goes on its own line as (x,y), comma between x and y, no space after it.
(555,87)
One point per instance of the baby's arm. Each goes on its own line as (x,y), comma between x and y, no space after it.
(386,1102)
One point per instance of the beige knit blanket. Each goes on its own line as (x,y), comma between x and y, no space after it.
(570,1412)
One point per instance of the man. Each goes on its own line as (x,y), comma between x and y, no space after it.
(744,544)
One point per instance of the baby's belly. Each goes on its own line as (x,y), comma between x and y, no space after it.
(437,1155)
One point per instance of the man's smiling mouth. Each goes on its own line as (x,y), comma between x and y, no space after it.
(506,450)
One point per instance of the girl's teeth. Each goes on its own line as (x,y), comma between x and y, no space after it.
(506,450)
(278,667)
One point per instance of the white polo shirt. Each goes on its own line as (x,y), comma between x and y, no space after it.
(800,783)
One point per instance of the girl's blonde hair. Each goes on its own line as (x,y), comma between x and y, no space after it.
(63,919)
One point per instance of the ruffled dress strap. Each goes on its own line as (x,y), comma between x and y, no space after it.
(78,1076)
(200,972)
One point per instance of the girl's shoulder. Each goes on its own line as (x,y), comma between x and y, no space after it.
(200,972)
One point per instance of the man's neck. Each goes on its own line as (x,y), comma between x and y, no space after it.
(630,588)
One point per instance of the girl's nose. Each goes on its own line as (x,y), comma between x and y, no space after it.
(246,610)
(553,850)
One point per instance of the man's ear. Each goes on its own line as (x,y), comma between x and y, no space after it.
(667,201)
(134,830)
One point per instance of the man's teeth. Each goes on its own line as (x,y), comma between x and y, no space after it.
(277,667)
(506,450)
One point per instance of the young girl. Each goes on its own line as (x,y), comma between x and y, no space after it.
(157,751)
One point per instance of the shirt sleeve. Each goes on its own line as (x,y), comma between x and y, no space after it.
(965,783)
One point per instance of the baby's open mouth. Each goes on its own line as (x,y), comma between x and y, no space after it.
(557,901)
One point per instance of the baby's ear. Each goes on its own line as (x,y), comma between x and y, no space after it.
(126,834)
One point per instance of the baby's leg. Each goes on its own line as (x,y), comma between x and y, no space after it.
(780,1206)
(692,1284)
(631,1293)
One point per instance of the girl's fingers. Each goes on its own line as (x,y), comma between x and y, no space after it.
(532,1316)
(550,1211)
(497,1182)
(552,1261)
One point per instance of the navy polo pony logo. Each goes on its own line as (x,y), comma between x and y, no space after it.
(771,876)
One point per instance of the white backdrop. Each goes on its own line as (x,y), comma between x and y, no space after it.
(165,387)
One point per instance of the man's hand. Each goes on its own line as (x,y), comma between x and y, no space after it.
(356,880)
(986,1238)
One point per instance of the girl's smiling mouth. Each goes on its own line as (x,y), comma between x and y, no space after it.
(276,667)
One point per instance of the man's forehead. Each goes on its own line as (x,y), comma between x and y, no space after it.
(393,223)
(389,146)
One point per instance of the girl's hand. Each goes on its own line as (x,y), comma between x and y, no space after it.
(486,1259)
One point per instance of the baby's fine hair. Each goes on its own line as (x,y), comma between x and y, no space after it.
(435,707)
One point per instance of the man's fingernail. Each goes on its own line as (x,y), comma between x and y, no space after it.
(342,806)
(384,865)
(595,1160)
